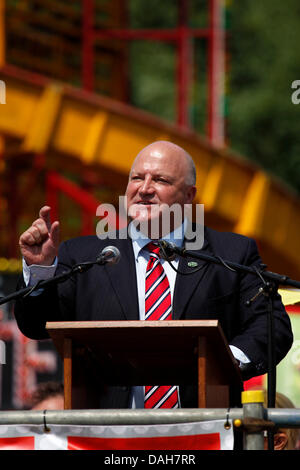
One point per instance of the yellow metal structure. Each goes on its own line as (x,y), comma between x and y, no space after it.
(253,396)
(76,129)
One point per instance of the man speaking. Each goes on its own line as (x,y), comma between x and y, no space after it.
(144,286)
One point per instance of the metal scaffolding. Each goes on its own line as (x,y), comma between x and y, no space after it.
(252,419)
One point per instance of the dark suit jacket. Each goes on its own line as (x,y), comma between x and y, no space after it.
(110,293)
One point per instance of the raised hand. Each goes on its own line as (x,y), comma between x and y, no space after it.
(39,244)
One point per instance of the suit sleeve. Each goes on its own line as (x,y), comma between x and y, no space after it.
(53,303)
(253,337)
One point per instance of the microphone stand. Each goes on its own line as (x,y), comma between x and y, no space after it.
(271,282)
(273,277)
(77,269)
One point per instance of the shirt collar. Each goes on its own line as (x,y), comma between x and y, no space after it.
(139,240)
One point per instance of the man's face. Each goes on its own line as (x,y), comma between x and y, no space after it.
(157,179)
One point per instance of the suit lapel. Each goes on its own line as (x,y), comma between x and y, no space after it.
(123,280)
(187,282)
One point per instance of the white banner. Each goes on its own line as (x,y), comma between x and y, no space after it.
(210,435)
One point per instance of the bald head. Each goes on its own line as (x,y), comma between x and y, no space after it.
(174,153)
(162,176)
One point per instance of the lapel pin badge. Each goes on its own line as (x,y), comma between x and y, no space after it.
(192,264)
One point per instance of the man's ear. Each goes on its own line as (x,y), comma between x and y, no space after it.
(280,440)
(190,194)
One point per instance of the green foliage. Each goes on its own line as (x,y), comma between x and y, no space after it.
(152,66)
(262,121)
(152,13)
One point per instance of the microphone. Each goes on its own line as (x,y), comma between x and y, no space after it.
(109,254)
(168,250)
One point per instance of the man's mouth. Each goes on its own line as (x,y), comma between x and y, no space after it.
(145,203)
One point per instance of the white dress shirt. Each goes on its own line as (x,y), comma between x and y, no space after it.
(141,256)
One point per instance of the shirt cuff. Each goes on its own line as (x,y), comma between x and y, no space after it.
(239,355)
(35,273)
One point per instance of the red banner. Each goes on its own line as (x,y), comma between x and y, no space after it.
(210,435)
(195,442)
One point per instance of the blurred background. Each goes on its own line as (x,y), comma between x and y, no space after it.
(85,84)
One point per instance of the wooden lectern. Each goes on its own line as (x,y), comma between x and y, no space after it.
(144,352)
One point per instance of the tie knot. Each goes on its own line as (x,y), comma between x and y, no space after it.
(152,248)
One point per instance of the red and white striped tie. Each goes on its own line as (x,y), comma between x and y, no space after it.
(158,306)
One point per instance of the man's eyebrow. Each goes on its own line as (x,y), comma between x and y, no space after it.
(133,172)
(154,175)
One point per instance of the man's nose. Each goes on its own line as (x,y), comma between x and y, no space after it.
(147,186)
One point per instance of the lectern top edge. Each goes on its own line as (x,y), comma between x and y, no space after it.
(61,325)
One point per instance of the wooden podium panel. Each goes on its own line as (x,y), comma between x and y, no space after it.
(187,352)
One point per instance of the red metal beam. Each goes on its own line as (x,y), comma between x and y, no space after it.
(88,38)
(85,200)
(88,204)
(181,36)
(167,35)
(215,124)
(184,64)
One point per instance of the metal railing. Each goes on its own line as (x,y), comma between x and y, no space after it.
(252,419)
